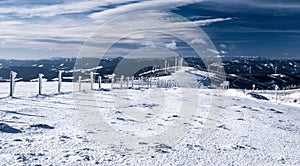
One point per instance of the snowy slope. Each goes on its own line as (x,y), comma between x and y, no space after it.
(50,129)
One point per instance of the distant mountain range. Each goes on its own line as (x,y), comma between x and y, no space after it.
(241,72)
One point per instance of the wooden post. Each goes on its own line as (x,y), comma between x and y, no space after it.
(79,82)
(99,81)
(127,82)
(166,66)
(59,80)
(276,91)
(121,81)
(142,81)
(112,81)
(92,80)
(12,83)
(132,81)
(176,64)
(40,83)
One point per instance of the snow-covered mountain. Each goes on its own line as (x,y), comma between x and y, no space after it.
(149,126)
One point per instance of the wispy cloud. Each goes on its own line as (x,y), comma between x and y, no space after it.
(10,23)
(59,9)
(63,25)
(144,5)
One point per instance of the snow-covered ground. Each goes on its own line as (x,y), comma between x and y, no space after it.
(176,126)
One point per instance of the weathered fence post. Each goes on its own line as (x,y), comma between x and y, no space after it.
(79,82)
(176,64)
(121,81)
(92,80)
(99,81)
(12,83)
(40,83)
(139,82)
(112,81)
(142,81)
(276,91)
(166,66)
(59,80)
(127,83)
(132,81)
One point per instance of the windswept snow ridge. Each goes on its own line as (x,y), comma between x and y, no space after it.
(49,129)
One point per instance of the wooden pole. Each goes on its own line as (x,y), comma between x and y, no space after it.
(166,66)
(99,81)
(121,81)
(59,80)
(276,92)
(127,82)
(142,81)
(112,81)
(92,80)
(79,82)
(40,83)
(176,64)
(12,83)
(132,81)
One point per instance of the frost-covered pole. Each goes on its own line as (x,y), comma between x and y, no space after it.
(276,92)
(121,81)
(166,66)
(12,83)
(59,80)
(180,62)
(79,82)
(132,81)
(176,64)
(40,83)
(92,80)
(139,82)
(112,81)
(127,82)
(99,81)
(253,86)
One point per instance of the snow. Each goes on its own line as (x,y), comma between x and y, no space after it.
(189,126)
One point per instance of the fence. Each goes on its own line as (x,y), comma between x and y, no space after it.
(115,83)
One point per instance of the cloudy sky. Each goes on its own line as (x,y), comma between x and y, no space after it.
(33,29)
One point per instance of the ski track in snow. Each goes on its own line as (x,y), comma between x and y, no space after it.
(247,131)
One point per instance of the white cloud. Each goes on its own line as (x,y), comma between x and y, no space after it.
(57,9)
(9,23)
(65,34)
(145,5)
(198,41)
(172,45)
(223,46)
(213,51)
(209,21)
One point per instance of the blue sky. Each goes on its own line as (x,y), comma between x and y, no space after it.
(33,29)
